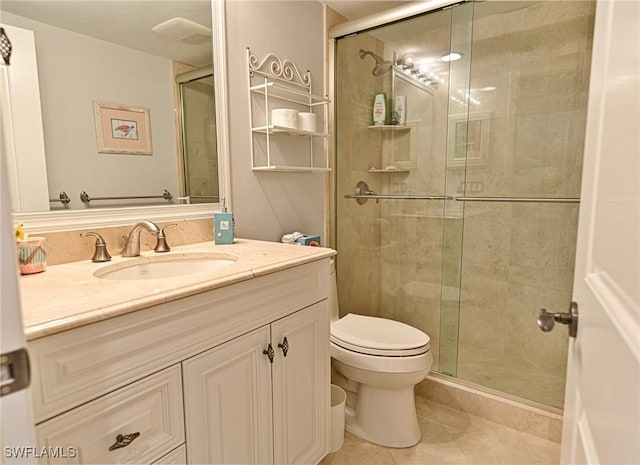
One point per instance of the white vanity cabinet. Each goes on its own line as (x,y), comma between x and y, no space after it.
(191,377)
(261,398)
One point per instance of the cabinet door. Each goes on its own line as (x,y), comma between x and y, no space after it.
(227,393)
(301,386)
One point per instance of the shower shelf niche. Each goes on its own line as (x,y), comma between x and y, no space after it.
(277,80)
(388,170)
(396,148)
(390,127)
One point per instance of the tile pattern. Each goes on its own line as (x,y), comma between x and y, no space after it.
(450,436)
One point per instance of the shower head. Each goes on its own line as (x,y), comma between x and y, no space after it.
(382,66)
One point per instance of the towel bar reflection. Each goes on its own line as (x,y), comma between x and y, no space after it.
(63,198)
(398,197)
(86,198)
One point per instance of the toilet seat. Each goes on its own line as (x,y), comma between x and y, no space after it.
(378,336)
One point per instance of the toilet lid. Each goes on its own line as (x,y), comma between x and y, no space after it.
(378,336)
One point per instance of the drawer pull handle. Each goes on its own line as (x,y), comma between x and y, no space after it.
(123,441)
(284,346)
(269,353)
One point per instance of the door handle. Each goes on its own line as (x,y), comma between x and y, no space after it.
(15,373)
(546,321)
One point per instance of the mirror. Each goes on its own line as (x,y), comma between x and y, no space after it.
(119,57)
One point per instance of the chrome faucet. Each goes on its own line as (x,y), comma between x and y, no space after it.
(132,240)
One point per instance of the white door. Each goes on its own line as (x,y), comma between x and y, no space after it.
(602,406)
(301,382)
(227,392)
(16,417)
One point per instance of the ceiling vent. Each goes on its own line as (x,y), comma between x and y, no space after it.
(183,30)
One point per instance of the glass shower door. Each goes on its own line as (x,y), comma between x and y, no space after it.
(199,152)
(525,130)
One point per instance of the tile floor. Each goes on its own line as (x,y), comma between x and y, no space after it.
(450,436)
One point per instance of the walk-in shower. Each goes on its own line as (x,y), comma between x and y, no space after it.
(470,222)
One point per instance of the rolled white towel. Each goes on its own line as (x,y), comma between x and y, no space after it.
(291,238)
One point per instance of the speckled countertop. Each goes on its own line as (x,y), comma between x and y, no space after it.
(69,295)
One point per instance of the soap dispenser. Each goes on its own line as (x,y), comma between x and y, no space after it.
(223,225)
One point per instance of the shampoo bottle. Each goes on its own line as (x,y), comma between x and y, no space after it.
(380,108)
(223,225)
(400,109)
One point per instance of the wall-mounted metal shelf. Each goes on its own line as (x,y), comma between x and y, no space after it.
(280,80)
(290,169)
(284,131)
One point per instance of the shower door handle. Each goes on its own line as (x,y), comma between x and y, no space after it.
(546,321)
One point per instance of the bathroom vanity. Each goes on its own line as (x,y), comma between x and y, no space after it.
(222,366)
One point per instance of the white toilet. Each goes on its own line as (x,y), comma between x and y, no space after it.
(378,362)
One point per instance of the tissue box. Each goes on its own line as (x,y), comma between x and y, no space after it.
(306,240)
(32,255)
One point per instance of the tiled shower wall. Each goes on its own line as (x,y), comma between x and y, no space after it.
(357,226)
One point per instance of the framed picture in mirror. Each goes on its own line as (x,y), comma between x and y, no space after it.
(122,129)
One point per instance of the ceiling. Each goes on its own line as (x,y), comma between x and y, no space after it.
(358,9)
(126,23)
(129,23)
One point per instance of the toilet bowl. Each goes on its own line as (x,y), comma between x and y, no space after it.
(378,362)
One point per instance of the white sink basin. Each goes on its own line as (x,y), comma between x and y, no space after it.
(166,266)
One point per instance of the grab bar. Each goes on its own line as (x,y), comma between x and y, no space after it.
(63,198)
(399,197)
(363,193)
(86,198)
(519,199)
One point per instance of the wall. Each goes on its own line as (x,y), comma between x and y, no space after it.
(268,205)
(74,71)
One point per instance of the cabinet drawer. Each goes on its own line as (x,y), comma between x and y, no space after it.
(175,457)
(151,407)
(76,366)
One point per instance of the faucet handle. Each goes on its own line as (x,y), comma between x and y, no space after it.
(161,244)
(100,254)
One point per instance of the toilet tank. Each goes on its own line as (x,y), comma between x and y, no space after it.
(333,292)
